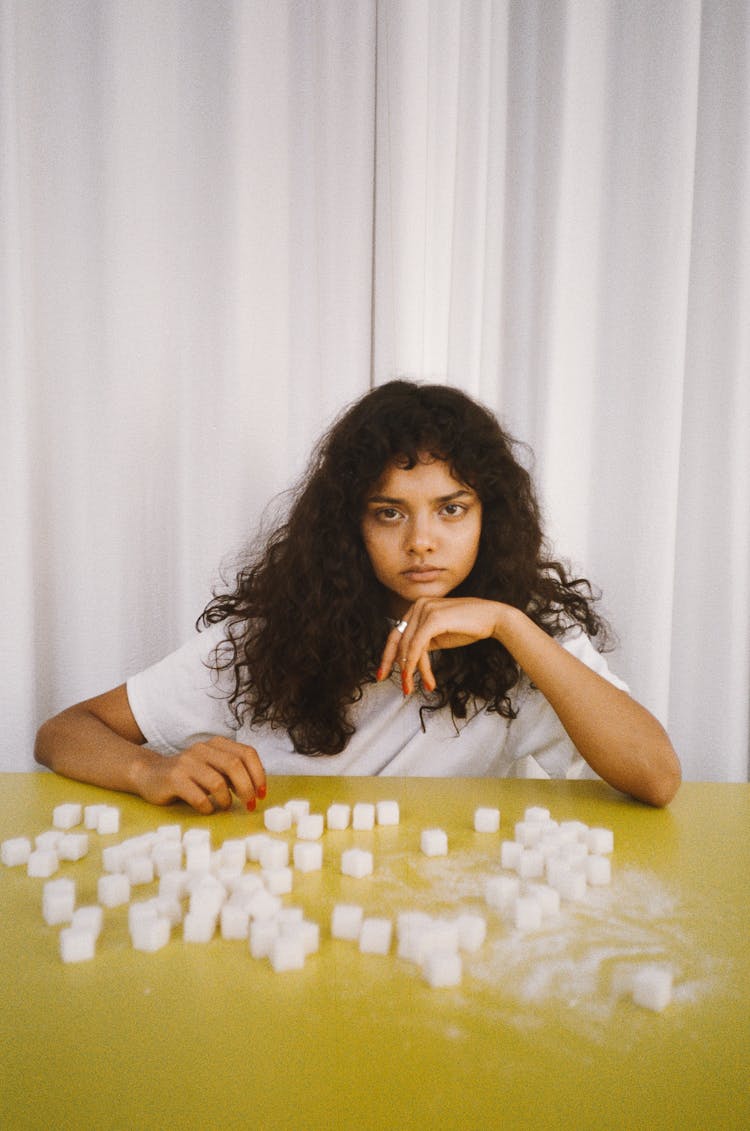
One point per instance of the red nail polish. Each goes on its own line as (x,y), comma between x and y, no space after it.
(404,688)
(379,675)
(251,805)
(262,791)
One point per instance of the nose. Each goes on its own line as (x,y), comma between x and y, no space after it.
(420,535)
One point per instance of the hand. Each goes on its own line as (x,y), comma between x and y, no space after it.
(205,776)
(435,623)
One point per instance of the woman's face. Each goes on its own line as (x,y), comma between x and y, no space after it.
(421,529)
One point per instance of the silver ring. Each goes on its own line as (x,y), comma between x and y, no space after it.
(402,626)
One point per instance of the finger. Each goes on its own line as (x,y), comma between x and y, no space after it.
(393,646)
(425,670)
(215,786)
(242,768)
(195,795)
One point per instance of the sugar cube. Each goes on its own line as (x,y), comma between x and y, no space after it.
(387,812)
(412,928)
(167,857)
(73,846)
(287,953)
(530,863)
(274,854)
(169,833)
(310,826)
(77,944)
(536,813)
(198,927)
(235,922)
(253,845)
(571,885)
(598,870)
(547,897)
(600,842)
(108,820)
(307,855)
(174,884)
(277,819)
(434,935)
(139,870)
(501,891)
(304,929)
(42,862)
(356,862)
(58,901)
(233,855)
(263,933)
(140,911)
(114,858)
(442,969)
(363,815)
(113,889)
(197,856)
(297,808)
(88,918)
(472,931)
(434,842)
(346,921)
(338,816)
(486,820)
(91,816)
(652,987)
(576,830)
(15,851)
(289,916)
(67,816)
(263,904)
(207,895)
(528,833)
(278,880)
(510,854)
(150,934)
(49,839)
(375,936)
(527,913)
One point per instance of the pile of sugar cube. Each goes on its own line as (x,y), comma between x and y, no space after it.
(204,890)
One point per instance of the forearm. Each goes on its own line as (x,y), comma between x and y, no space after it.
(79,745)
(620,739)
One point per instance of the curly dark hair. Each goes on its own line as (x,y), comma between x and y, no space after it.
(306,620)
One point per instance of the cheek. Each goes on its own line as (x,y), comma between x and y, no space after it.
(376,548)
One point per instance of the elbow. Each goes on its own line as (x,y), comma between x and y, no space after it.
(44,744)
(664,784)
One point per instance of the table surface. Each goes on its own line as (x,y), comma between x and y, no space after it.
(199,1036)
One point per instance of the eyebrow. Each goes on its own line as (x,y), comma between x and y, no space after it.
(441,498)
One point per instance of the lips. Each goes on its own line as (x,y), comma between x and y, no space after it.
(424,574)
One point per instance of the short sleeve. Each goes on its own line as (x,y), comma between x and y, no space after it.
(537,733)
(180,700)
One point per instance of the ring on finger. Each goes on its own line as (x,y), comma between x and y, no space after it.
(402,626)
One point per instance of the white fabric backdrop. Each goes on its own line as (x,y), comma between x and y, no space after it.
(220,222)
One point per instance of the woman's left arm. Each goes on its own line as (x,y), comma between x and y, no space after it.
(621,741)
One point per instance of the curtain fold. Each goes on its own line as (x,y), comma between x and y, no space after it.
(220,223)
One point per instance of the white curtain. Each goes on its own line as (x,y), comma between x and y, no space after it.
(221,222)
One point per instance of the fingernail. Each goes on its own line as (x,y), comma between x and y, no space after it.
(379,675)
(262,791)
(251,804)
(404,688)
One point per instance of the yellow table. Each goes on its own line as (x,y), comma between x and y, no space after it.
(205,1036)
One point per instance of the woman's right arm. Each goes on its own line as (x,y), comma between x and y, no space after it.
(99,741)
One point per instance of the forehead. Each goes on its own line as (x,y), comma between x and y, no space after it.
(429,478)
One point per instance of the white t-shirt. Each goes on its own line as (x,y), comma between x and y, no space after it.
(180,701)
